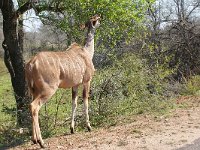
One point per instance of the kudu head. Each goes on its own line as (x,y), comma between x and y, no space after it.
(93,23)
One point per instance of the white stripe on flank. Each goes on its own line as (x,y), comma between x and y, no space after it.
(70,63)
(80,70)
(61,66)
(56,61)
(66,68)
(43,63)
(51,68)
(48,63)
(54,64)
(78,64)
(74,68)
(81,67)
(59,63)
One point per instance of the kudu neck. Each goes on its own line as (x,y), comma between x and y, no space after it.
(89,42)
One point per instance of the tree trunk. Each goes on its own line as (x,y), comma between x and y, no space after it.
(13,58)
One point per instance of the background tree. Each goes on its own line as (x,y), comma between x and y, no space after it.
(13,58)
(183,36)
(173,37)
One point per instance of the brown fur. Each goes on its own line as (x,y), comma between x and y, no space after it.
(65,69)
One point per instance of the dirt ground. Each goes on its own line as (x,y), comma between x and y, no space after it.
(172,131)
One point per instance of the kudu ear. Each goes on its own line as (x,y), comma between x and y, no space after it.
(96,17)
(82,26)
(86,25)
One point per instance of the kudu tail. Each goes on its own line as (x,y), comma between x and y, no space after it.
(29,78)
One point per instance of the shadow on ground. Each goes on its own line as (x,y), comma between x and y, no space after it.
(11,137)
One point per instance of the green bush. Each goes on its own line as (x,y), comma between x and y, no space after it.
(192,86)
(127,88)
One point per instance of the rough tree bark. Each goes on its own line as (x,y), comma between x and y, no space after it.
(13,57)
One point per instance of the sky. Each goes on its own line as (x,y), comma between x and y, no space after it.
(31,21)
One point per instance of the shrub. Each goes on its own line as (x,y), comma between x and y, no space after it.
(128,87)
(192,86)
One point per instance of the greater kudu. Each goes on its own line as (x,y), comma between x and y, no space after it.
(48,71)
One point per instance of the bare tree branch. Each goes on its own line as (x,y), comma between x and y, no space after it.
(38,8)
(196,6)
(7,59)
(23,8)
(48,8)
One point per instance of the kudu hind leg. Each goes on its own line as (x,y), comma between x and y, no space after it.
(34,137)
(35,107)
(86,89)
(74,106)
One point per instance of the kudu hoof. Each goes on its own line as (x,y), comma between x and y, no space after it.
(89,128)
(34,141)
(72,130)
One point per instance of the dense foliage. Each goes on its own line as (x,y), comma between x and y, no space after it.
(121,19)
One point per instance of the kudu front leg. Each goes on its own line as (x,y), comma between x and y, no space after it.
(86,89)
(74,106)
